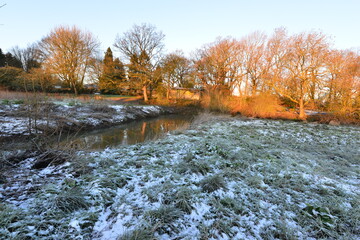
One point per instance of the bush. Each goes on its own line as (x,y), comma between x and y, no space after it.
(263,106)
(16,79)
(341,118)
(216,102)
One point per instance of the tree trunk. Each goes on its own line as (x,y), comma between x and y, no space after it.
(145,94)
(330,98)
(302,114)
(253,88)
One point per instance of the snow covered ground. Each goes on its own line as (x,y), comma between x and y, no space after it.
(23,119)
(228,178)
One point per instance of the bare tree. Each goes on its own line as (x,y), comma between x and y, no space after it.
(28,56)
(302,68)
(276,54)
(346,90)
(217,65)
(255,60)
(68,53)
(175,71)
(142,47)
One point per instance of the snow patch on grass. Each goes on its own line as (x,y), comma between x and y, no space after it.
(266,173)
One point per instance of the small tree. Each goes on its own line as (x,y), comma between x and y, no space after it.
(142,47)
(140,73)
(217,66)
(8,60)
(175,71)
(2,59)
(68,53)
(28,57)
(254,61)
(10,78)
(113,74)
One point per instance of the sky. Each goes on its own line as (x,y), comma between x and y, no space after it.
(187,24)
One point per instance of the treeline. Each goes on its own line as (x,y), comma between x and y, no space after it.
(300,69)
(20,70)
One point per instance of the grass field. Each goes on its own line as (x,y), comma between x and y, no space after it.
(225,178)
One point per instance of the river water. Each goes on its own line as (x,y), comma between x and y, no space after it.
(130,133)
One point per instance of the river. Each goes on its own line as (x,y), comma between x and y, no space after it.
(130,133)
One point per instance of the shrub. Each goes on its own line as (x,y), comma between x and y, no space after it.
(263,106)
(216,102)
(342,118)
(11,78)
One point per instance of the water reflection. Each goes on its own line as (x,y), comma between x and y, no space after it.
(131,133)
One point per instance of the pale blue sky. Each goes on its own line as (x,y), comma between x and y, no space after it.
(187,24)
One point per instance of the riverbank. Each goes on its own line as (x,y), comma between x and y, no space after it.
(37,130)
(22,122)
(22,119)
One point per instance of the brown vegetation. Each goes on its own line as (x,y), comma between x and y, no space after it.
(259,106)
(334,119)
(68,53)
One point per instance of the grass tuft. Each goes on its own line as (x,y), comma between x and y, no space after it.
(71,200)
(193,167)
(232,204)
(142,233)
(113,182)
(213,183)
(182,199)
(165,214)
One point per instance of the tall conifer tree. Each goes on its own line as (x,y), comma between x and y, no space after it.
(113,77)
